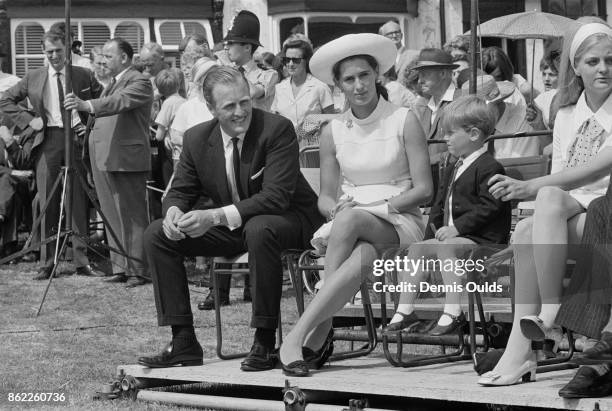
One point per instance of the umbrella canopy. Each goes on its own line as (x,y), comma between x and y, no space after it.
(527,25)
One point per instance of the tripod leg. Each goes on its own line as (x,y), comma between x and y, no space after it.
(58,252)
(61,213)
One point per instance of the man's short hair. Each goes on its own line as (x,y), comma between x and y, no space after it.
(123,45)
(380,29)
(60,27)
(220,75)
(469,112)
(153,48)
(168,81)
(198,38)
(53,36)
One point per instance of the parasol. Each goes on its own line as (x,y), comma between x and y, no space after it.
(528,25)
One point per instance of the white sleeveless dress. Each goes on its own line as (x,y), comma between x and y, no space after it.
(374,165)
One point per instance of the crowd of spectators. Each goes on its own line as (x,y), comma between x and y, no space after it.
(371,106)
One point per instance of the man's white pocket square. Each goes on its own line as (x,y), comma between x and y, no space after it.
(85,89)
(257,174)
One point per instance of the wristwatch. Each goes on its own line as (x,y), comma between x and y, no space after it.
(217,217)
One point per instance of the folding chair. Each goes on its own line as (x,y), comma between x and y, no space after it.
(242,261)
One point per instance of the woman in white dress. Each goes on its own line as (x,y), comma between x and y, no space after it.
(377,152)
(582,158)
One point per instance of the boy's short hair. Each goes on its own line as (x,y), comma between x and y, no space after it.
(168,82)
(469,112)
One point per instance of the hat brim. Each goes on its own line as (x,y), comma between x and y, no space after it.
(422,65)
(243,40)
(381,48)
(506,88)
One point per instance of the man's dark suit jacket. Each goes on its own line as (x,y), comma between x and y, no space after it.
(477,215)
(84,86)
(270,175)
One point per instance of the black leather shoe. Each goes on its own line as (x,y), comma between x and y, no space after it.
(209,302)
(297,368)
(600,352)
(486,361)
(43,273)
(587,383)
(30,257)
(246,294)
(260,358)
(317,359)
(117,278)
(408,321)
(190,354)
(89,271)
(458,322)
(135,281)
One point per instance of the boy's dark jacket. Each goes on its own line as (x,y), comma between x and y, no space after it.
(477,215)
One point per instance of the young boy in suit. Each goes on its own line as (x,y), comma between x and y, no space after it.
(464,214)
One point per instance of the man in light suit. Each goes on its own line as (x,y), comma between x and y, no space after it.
(246,161)
(44,87)
(435,68)
(120,156)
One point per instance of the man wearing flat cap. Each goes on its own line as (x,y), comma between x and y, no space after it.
(241,41)
(435,68)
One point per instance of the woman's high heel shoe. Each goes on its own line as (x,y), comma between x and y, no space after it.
(525,373)
(533,328)
(317,359)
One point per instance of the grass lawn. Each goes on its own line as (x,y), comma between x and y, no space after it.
(87,327)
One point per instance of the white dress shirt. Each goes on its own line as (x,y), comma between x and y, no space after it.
(51,102)
(234,220)
(447,96)
(466,163)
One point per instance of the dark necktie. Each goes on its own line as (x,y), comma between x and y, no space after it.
(60,90)
(451,185)
(236,159)
(241,69)
(110,86)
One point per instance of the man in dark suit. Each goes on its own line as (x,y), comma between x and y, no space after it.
(15,178)
(120,156)
(44,87)
(246,161)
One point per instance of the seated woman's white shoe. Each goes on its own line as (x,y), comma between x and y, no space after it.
(533,328)
(525,373)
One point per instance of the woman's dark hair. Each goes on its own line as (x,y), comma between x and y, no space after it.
(551,61)
(380,89)
(497,63)
(302,45)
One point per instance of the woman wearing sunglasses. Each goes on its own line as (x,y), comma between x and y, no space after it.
(300,94)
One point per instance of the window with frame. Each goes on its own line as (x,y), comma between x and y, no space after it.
(28,34)
(575,8)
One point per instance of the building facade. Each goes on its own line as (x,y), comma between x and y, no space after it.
(425,23)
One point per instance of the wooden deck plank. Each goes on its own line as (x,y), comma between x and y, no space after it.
(373,375)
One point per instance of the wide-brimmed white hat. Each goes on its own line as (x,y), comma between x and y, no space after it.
(377,46)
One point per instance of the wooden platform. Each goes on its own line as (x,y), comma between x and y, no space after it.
(374,376)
